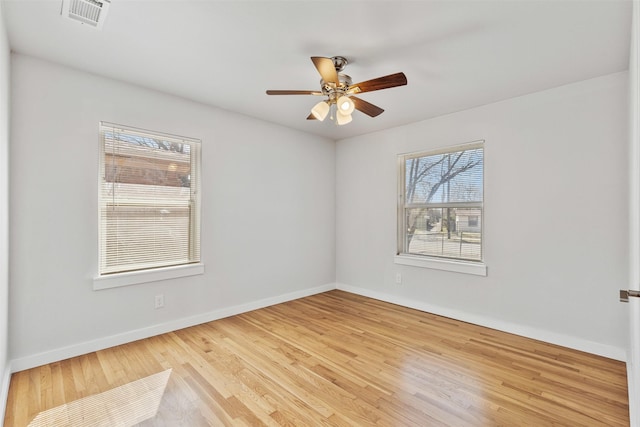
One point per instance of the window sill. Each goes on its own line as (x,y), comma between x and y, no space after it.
(476,268)
(154,275)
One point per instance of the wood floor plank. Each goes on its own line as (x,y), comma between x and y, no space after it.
(339,359)
(57,385)
(18,403)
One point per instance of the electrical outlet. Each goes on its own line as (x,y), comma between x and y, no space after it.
(398,278)
(160,301)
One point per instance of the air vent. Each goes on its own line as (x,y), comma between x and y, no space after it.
(90,12)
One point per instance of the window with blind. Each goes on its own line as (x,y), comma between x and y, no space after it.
(440,203)
(149,200)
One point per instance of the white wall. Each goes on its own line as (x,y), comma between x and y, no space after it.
(556,216)
(4,213)
(268,229)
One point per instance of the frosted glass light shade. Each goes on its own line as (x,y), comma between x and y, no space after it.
(343,119)
(320,110)
(345,105)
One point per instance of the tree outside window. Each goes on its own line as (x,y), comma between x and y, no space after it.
(441,203)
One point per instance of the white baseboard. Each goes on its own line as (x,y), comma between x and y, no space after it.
(599,349)
(110,341)
(55,355)
(4,389)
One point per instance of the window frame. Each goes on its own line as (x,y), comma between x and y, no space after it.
(161,272)
(476,267)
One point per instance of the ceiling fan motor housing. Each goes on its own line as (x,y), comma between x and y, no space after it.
(344,82)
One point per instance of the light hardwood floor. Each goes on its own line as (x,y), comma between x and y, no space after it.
(339,359)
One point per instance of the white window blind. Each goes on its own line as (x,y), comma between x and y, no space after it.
(149,200)
(440,207)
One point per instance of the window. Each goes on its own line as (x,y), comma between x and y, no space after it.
(149,200)
(440,204)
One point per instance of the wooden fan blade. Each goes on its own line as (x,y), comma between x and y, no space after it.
(311,117)
(392,80)
(366,107)
(326,69)
(293,92)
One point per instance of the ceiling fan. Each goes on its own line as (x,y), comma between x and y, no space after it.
(340,91)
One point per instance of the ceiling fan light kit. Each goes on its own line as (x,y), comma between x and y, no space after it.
(345,105)
(320,110)
(343,119)
(339,90)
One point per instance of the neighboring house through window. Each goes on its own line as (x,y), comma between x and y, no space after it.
(440,206)
(149,200)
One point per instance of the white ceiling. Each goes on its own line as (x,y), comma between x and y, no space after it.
(455,54)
